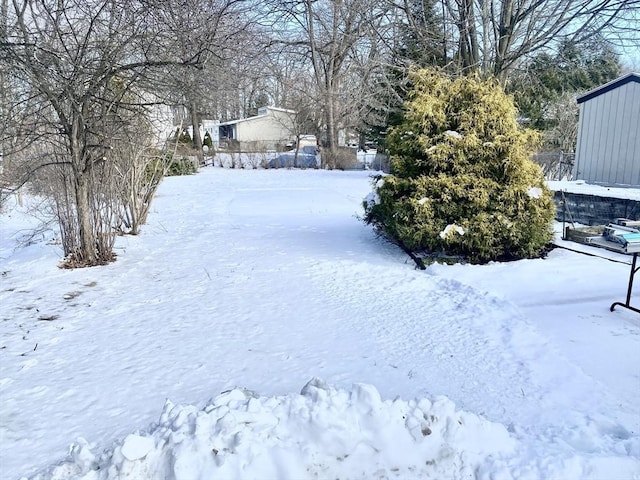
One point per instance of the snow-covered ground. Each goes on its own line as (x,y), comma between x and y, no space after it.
(257,329)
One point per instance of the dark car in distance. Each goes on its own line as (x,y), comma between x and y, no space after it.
(307,158)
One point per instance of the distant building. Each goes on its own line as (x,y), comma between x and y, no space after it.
(161,121)
(608,150)
(272,129)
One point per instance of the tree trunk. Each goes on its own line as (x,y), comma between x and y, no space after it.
(505,39)
(87,254)
(332,134)
(197,138)
(469,52)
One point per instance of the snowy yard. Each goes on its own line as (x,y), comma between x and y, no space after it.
(257,329)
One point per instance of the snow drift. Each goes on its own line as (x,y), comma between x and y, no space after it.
(322,433)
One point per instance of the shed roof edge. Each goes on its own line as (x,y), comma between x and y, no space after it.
(607,87)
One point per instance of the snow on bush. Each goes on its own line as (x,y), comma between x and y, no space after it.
(322,433)
(372,199)
(453,134)
(450,230)
(535,192)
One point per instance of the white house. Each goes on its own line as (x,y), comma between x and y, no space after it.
(271,129)
(207,126)
(608,150)
(161,119)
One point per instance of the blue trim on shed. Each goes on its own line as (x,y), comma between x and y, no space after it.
(607,87)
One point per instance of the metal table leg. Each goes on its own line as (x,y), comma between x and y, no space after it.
(632,274)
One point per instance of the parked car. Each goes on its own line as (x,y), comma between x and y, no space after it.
(307,158)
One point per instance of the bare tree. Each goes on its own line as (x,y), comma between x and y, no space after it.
(290,85)
(329,34)
(564,113)
(494,35)
(4,96)
(226,28)
(81,64)
(139,167)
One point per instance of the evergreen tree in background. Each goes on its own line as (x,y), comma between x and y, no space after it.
(574,68)
(421,44)
(208,141)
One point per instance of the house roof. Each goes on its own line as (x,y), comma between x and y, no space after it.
(278,109)
(234,122)
(607,87)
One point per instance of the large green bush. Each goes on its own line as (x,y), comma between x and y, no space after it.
(462,181)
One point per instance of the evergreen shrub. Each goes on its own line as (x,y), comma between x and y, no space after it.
(208,141)
(181,166)
(170,166)
(462,182)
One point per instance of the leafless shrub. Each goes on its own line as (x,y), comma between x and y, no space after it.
(342,158)
(259,158)
(236,160)
(140,179)
(84,72)
(555,165)
(266,157)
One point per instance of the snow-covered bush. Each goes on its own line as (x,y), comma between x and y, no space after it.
(462,181)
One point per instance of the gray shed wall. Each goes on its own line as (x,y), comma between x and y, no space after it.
(608,150)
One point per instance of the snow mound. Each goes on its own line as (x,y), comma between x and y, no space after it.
(322,433)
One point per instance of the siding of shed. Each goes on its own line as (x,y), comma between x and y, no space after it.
(608,150)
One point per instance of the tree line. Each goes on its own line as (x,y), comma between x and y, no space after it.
(80,80)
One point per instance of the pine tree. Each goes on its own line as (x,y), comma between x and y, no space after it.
(185,138)
(208,141)
(548,77)
(420,44)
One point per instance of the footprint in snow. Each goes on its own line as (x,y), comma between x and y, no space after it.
(29,364)
(71,295)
